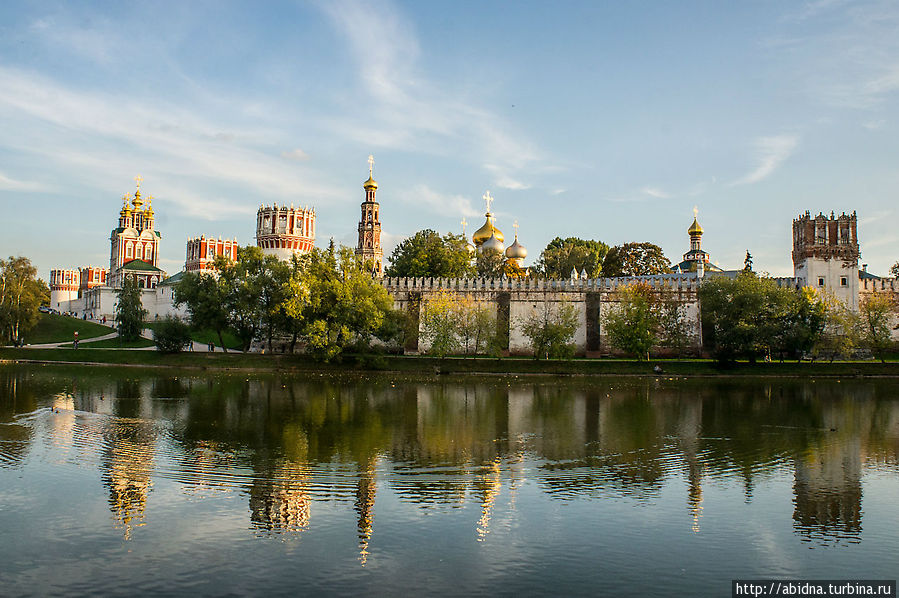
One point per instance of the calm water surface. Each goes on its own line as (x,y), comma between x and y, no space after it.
(117,482)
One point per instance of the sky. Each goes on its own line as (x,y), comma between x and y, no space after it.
(600,120)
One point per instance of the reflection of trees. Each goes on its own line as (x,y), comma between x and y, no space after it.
(17,395)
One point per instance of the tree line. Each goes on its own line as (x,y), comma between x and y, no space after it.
(428,254)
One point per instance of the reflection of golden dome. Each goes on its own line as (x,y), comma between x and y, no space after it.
(516,250)
(492,244)
(694,229)
(486,231)
(370,183)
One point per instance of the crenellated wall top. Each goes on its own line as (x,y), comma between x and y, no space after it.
(675,282)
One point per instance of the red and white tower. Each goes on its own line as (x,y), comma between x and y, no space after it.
(202,251)
(369,249)
(283,231)
(64,284)
(134,244)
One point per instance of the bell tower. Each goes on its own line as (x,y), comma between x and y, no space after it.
(369,246)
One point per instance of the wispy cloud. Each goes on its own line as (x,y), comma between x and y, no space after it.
(180,143)
(873,125)
(656,192)
(10,184)
(770,152)
(411,111)
(440,203)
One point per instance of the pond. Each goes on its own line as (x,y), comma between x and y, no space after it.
(124,482)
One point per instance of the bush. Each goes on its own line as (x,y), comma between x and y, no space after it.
(171,335)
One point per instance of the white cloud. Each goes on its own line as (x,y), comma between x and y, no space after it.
(771,152)
(295,154)
(10,184)
(656,192)
(873,125)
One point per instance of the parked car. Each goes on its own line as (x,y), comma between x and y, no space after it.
(45,310)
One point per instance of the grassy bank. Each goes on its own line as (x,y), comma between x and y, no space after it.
(53,328)
(430,365)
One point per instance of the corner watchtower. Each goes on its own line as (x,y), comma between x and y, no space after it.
(826,252)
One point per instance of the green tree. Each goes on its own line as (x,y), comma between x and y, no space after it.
(129,311)
(345,307)
(21,294)
(635,259)
(875,311)
(439,323)
(490,264)
(676,331)
(205,299)
(550,329)
(634,324)
(171,335)
(841,334)
(894,270)
(561,256)
(749,316)
(254,288)
(476,324)
(426,253)
(747,262)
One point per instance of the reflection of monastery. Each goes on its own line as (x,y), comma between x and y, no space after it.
(825,257)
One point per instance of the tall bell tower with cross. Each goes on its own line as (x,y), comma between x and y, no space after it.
(369,249)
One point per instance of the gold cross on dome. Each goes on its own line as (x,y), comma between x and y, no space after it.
(695,212)
(488,199)
(138,180)
(371,163)
(515,226)
(464,224)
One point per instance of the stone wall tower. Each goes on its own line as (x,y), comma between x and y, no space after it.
(283,231)
(825,254)
(369,250)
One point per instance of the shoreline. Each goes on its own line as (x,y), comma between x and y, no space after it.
(401,364)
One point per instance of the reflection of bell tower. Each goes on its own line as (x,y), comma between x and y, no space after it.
(489,486)
(369,248)
(128,461)
(366,488)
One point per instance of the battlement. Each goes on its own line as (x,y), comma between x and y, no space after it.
(283,231)
(823,237)
(670,282)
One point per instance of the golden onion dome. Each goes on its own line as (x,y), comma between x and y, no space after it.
(138,202)
(370,183)
(485,232)
(493,243)
(694,229)
(516,250)
(126,209)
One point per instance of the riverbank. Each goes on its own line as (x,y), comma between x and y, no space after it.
(451,365)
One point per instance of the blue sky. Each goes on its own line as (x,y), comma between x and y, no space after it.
(603,120)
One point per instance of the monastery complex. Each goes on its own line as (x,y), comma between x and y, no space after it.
(825,257)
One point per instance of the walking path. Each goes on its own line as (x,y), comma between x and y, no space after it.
(146,333)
